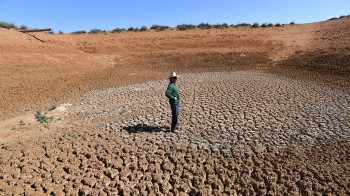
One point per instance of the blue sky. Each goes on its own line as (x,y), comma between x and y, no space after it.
(72,15)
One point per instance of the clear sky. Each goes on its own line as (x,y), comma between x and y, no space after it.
(72,15)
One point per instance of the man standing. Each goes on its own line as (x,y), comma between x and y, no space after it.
(173,95)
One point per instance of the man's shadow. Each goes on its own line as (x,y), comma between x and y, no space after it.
(140,128)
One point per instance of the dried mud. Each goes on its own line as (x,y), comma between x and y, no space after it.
(241,133)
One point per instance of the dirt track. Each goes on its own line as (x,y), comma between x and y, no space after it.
(240,132)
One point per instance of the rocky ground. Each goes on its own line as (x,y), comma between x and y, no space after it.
(242,133)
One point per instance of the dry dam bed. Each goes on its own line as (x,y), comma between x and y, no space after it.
(240,133)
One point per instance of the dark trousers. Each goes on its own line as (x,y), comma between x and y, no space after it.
(174,115)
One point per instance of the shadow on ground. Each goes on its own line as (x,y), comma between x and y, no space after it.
(139,128)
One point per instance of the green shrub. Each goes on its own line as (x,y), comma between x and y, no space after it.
(292,23)
(159,27)
(278,25)
(53,107)
(21,123)
(7,25)
(155,26)
(95,31)
(60,32)
(263,25)
(332,18)
(204,26)
(270,25)
(184,27)
(42,118)
(255,25)
(162,28)
(242,25)
(118,30)
(79,32)
(343,16)
(220,26)
(143,28)
(23,27)
(131,29)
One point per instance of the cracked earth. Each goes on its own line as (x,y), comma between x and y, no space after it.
(241,133)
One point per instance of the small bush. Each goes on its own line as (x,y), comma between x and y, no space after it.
(184,27)
(21,123)
(42,118)
(270,25)
(118,30)
(243,25)
(204,26)
(155,26)
(159,27)
(131,29)
(136,29)
(263,25)
(60,32)
(95,31)
(225,25)
(255,25)
(332,18)
(220,26)
(51,32)
(278,25)
(143,28)
(7,25)
(79,32)
(162,28)
(292,23)
(343,16)
(23,27)
(53,107)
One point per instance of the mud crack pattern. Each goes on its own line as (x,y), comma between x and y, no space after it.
(240,133)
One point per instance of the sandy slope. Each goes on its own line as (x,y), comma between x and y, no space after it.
(35,74)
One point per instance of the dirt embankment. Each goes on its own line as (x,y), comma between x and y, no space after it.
(36,74)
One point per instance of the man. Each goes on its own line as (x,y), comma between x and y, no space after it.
(173,95)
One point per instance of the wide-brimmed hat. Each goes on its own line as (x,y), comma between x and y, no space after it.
(173,75)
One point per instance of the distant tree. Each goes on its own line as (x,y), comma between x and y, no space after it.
(204,26)
(143,28)
(242,25)
(7,25)
(60,32)
(278,25)
(255,25)
(334,18)
(131,29)
(270,25)
(263,25)
(292,23)
(154,26)
(95,31)
(118,30)
(185,27)
(79,32)
(23,27)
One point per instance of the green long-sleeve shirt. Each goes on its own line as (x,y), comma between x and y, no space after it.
(171,92)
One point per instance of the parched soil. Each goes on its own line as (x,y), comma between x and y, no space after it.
(263,111)
(240,133)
